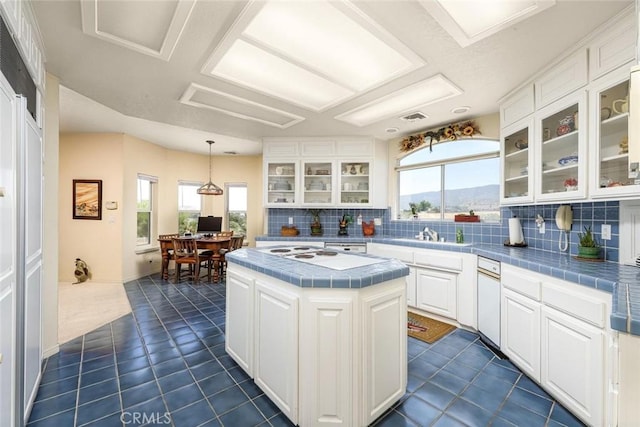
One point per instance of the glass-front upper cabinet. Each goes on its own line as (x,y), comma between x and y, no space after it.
(281,183)
(561,153)
(610,137)
(317,182)
(355,182)
(517,157)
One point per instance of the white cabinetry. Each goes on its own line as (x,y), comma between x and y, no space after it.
(384,350)
(412,290)
(572,364)
(517,155)
(562,79)
(561,167)
(276,346)
(326,359)
(282,182)
(609,137)
(437,292)
(239,320)
(520,335)
(571,132)
(439,282)
(323,356)
(555,331)
(331,173)
(23,26)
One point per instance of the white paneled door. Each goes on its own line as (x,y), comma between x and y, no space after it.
(7,252)
(21,167)
(32,216)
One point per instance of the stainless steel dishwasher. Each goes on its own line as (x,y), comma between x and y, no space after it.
(489,302)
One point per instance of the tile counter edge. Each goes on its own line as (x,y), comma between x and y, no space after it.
(624,289)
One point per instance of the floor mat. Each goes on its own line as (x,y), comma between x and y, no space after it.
(427,329)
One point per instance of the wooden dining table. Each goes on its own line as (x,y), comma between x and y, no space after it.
(213,244)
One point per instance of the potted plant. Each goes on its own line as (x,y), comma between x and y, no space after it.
(316,225)
(588,247)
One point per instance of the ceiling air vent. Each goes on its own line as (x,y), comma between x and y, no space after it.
(414,117)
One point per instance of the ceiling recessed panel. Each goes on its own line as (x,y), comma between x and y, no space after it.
(407,99)
(326,40)
(315,54)
(257,69)
(203,97)
(148,27)
(468,21)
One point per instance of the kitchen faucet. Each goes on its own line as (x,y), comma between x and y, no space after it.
(432,234)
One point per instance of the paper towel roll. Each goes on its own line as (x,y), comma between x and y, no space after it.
(515,232)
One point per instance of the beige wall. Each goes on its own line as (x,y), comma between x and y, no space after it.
(109,246)
(98,243)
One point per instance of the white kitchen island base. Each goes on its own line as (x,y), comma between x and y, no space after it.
(324,356)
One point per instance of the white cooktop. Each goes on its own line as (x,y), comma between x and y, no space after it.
(323,258)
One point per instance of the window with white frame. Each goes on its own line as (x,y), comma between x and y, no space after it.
(236,203)
(146,217)
(456,177)
(189,206)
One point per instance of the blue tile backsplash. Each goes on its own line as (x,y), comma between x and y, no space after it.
(592,214)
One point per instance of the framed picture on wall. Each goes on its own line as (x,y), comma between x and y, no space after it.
(87,199)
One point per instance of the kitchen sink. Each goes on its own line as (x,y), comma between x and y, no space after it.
(432,243)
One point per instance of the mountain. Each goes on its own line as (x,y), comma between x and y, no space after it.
(486,197)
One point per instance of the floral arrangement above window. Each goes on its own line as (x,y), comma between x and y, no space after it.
(448,133)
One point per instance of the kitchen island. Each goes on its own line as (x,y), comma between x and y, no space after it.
(323,334)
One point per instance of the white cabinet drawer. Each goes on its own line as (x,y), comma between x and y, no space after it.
(574,303)
(438,260)
(523,282)
(389,251)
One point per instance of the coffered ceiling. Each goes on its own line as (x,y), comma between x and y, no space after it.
(179,72)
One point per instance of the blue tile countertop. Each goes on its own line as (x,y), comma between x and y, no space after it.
(312,276)
(622,281)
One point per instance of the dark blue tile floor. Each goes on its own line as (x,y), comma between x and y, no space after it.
(165,365)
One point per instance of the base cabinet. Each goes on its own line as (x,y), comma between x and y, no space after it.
(437,292)
(520,335)
(573,364)
(384,317)
(239,321)
(323,356)
(276,347)
(411,287)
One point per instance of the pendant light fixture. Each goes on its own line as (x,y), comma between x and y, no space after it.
(210,189)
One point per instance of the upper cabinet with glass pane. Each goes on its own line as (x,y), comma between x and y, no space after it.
(561,160)
(609,137)
(281,183)
(517,162)
(318,182)
(354,183)
(317,179)
(578,147)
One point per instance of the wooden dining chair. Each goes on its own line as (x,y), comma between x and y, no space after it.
(234,244)
(217,260)
(186,252)
(166,251)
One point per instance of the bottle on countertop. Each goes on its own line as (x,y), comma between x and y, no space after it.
(459,236)
(359,219)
